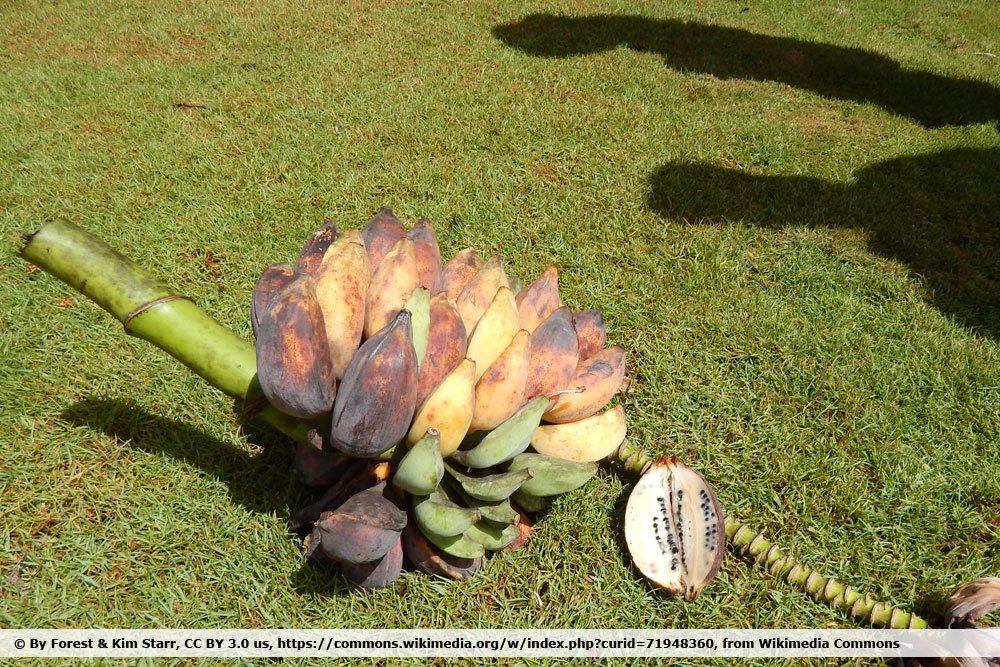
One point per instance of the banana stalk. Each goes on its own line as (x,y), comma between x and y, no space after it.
(150,310)
(750,543)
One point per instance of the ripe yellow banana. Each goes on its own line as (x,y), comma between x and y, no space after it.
(494,331)
(341,287)
(500,390)
(589,439)
(478,293)
(539,299)
(392,283)
(448,408)
(459,271)
(599,377)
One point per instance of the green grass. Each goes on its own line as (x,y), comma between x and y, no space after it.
(796,240)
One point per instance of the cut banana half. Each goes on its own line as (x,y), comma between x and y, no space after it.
(674,528)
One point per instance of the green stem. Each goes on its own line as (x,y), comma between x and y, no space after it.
(750,543)
(150,310)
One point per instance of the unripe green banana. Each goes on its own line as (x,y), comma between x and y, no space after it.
(421,469)
(498,512)
(552,476)
(530,503)
(508,439)
(456,545)
(490,536)
(491,487)
(437,516)
(419,305)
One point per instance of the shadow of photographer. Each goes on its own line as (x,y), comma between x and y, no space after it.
(837,72)
(939,213)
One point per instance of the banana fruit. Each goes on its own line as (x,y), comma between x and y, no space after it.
(455,396)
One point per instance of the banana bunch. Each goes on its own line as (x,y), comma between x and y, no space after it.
(497,392)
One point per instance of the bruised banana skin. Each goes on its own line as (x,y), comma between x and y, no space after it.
(293,360)
(274,279)
(311,255)
(363,529)
(448,409)
(380,573)
(392,283)
(437,515)
(446,345)
(421,469)
(589,439)
(494,331)
(380,234)
(674,528)
(591,332)
(600,377)
(538,300)
(459,271)
(490,488)
(500,390)
(551,476)
(425,245)
(508,439)
(478,293)
(554,355)
(378,394)
(341,287)
(429,559)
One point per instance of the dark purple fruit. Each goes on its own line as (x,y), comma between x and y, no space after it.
(293,359)
(364,528)
(378,573)
(378,395)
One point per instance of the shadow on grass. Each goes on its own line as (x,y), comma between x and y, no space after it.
(837,72)
(939,213)
(260,484)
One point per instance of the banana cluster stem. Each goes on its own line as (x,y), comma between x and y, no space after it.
(149,309)
(751,544)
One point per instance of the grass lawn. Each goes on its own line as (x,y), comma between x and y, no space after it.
(788,211)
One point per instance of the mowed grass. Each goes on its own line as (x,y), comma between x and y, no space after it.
(789,213)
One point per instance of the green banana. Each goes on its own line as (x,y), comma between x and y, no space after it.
(490,536)
(498,512)
(437,516)
(419,305)
(491,487)
(459,546)
(552,476)
(508,439)
(530,503)
(421,469)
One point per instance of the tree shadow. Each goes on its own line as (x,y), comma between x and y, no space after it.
(261,483)
(939,213)
(837,72)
